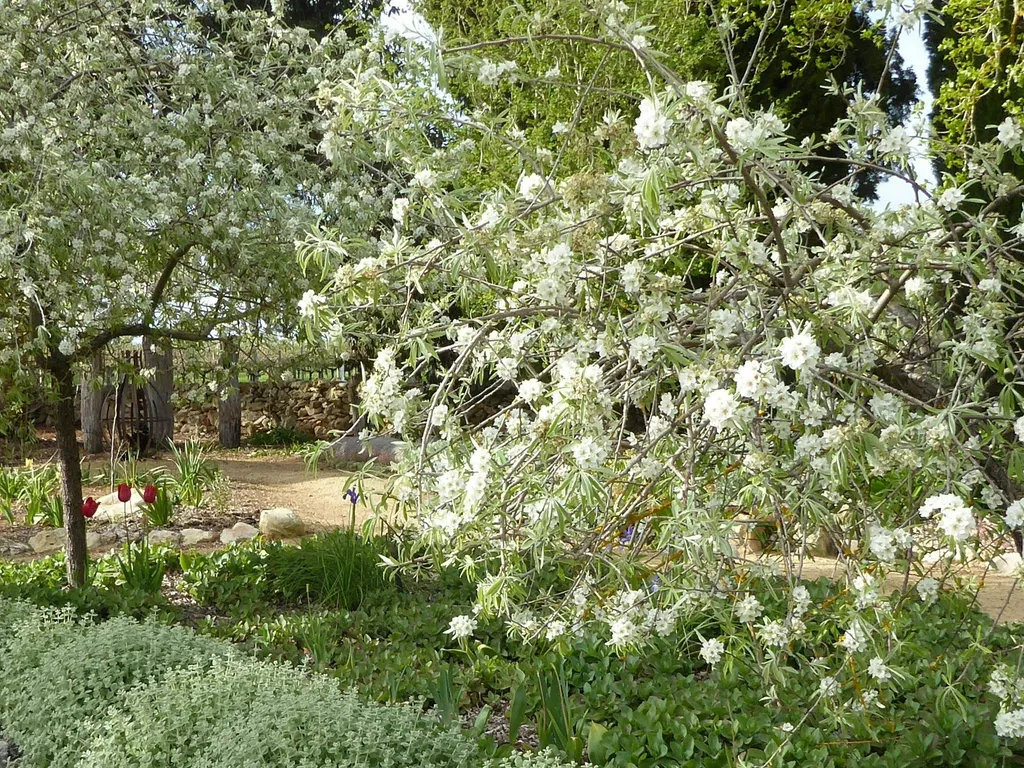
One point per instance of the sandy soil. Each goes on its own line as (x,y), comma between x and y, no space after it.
(266,482)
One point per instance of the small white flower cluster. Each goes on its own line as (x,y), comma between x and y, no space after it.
(490,72)
(1009,133)
(531,185)
(928,589)
(955,518)
(878,669)
(951,198)
(631,618)
(1009,689)
(755,379)
(748,610)
(774,634)
(310,302)
(799,351)
(720,408)
(884,542)
(744,134)
(855,639)
(652,126)
(711,650)
(1014,516)
(461,627)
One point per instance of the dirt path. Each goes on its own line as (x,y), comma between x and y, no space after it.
(267,482)
(1001,597)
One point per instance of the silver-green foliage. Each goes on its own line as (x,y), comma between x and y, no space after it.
(121,694)
(242,713)
(60,675)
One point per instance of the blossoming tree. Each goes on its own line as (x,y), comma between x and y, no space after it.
(844,369)
(156,167)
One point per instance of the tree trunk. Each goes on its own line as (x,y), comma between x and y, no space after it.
(92,401)
(70,469)
(159,390)
(229,410)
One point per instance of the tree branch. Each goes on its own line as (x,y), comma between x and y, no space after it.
(165,276)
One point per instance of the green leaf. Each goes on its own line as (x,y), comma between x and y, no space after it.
(598,746)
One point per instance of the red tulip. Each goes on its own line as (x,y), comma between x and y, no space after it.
(124,492)
(149,494)
(89,507)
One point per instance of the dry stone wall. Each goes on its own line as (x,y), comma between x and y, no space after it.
(313,407)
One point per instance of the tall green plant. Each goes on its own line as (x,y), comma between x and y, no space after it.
(555,724)
(12,487)
(194,473)
(40,492)
(160,513)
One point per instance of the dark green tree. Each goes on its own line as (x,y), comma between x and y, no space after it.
(787,54)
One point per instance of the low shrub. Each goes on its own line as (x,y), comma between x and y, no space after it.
(232,580)
(43,582)
(279,437)
(337,570)
(61,672)
(11,614)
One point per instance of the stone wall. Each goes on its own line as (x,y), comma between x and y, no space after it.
(313,407)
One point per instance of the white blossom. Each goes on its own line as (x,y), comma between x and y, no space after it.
(309,303)
(1014,516)
(651,126)
(1010,725)
(951,198)
(461,627)
(799,351)
(748,609)
(928,589)
(878,670)
(720,408)
(711,651)
(1010,134)
(531,390)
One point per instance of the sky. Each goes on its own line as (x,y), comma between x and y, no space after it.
(892,193)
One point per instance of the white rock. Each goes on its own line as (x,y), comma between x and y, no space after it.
(281,523)
(161,536)
(1007,563)
(48,540)
(238,532)
(113,511)
(190,537)
(96,539)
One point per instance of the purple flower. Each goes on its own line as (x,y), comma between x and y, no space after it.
(352,495)
(627,535)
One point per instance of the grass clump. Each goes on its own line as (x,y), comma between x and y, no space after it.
(337,569)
